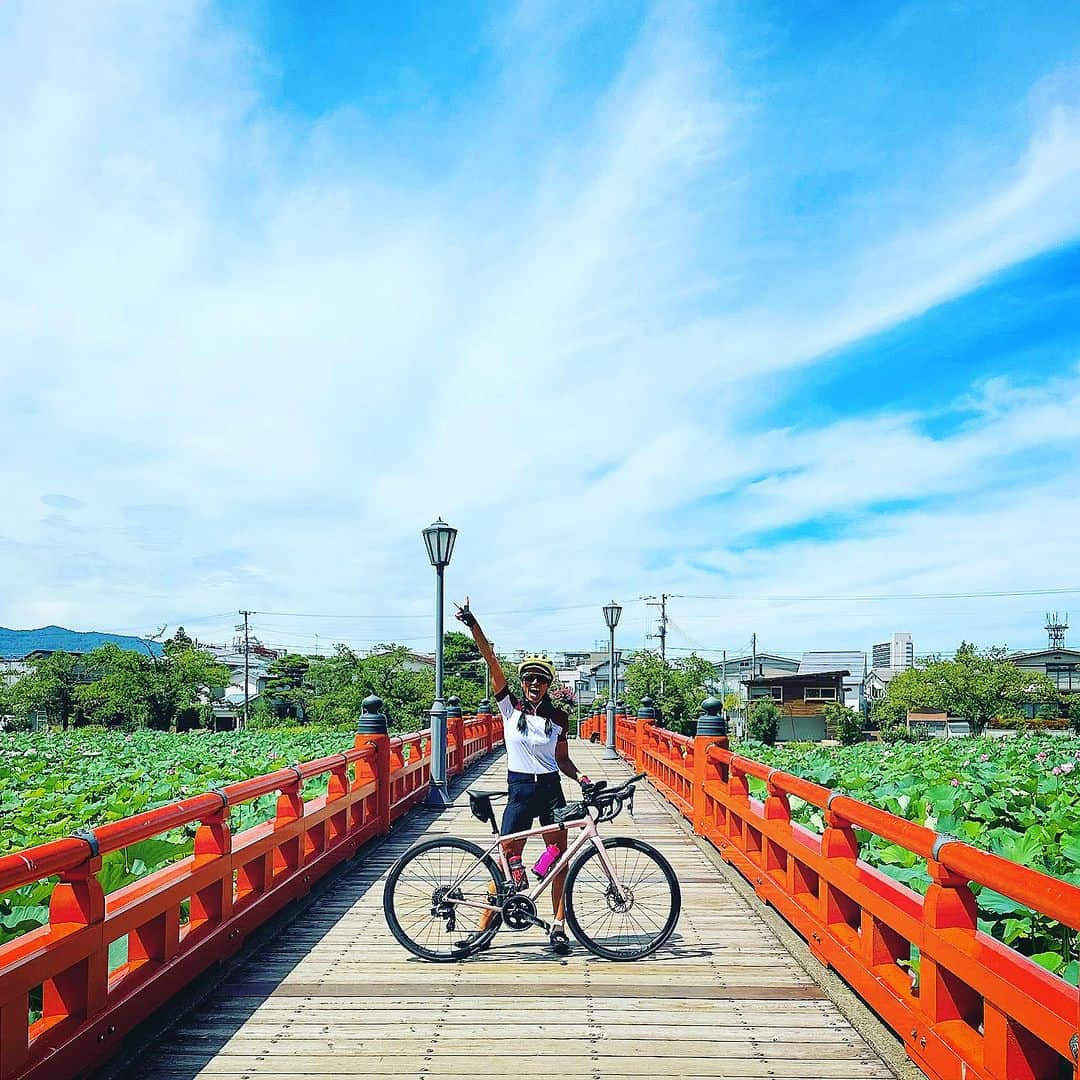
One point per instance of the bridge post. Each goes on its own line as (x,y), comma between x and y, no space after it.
(78,901)
(289,855)
(483,714)
(620,721)
(337,787)
(455,731)
(645,713)
(210,906)
(712,730)
(372,731)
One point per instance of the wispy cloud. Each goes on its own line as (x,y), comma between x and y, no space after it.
(258,349)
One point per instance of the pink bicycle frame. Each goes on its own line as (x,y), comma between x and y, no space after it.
(589,833)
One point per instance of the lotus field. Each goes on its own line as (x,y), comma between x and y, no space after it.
(52,784)
(1018,797)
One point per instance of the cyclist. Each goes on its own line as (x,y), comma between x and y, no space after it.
(534,732)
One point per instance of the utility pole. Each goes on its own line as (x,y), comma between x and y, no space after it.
(661,631)
(723,682)
(753,656)
(246,613)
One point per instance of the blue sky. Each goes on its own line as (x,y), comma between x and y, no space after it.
(741,302)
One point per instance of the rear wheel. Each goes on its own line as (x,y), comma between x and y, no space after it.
(624,923)
(433,894)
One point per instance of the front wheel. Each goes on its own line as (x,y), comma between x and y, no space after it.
(628,921)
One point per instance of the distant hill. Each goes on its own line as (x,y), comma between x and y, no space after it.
(15,644)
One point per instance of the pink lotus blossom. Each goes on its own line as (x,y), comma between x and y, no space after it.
(984,757)
(1040,756)
(1068,767)
(954,782)
(1056,770)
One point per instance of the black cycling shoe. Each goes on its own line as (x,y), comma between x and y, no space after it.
(466,943)
(558,941)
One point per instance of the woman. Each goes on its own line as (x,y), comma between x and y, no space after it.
(534,732)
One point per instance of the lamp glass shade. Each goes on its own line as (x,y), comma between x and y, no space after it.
(612,612)
(439,540)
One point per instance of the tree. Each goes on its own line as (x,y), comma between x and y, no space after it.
(461,658)
(286,692)
(979,686)
(139,689)
(844,723)
(1074,715)
(677,689)
(346,678)
(763,721)
(49,689)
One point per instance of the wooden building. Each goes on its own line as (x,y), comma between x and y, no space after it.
(802,700)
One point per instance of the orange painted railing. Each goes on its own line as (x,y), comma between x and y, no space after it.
(979,1010)
(232,884)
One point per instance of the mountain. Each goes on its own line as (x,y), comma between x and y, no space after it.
(15,644)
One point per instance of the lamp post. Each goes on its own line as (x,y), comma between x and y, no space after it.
(439,540)
(612,612)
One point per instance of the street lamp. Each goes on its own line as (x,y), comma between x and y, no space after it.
(612,612)
(439,540)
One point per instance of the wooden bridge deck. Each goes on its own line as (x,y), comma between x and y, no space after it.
(335,995)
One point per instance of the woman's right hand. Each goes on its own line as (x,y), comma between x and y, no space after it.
(464,614)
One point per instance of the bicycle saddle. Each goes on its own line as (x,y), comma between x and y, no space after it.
(477,793)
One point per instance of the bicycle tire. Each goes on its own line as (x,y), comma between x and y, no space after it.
(399,903)
(657,881)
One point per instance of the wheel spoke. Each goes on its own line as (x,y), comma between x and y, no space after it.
(625,922)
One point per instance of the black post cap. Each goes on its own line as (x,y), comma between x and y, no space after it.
(645,709)
(372,720)
(620,706)
(484,708)
(712,720)
(453,706)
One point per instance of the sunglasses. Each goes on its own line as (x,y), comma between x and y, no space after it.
(535,678)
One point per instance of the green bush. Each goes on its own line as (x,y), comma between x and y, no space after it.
(843,723)
(1074,715)
(763,721)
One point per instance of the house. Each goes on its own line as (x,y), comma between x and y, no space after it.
(597,679)
(732,673)
(855,664)
(1062,666)
(802,698)
(877,684)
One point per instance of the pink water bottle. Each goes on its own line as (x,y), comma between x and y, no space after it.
(547,860)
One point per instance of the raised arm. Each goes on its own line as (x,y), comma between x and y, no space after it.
(498,679)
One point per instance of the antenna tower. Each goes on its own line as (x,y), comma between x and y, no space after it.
(1055,628)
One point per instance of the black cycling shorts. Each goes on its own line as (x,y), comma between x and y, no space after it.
(531,797)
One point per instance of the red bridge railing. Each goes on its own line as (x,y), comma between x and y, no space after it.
(232,883)
(980,1010)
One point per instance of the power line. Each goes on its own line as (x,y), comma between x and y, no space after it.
(487,614)
(988,594)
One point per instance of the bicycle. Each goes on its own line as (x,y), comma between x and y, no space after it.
(622,897)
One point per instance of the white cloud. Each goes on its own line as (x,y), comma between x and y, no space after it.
(262,353)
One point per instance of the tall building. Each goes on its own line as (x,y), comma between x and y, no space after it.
(898,653)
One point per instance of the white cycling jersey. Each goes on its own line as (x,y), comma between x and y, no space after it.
(531,751)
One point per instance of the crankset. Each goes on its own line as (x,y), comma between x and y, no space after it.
(519,913)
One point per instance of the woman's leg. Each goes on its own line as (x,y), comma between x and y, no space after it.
(558,882)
